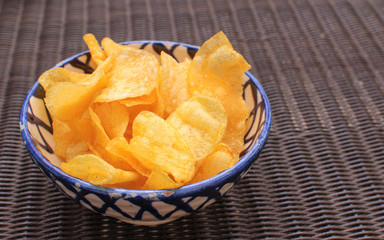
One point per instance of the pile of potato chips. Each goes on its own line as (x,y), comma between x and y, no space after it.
(138,123)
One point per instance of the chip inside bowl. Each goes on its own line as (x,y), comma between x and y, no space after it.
(146,123)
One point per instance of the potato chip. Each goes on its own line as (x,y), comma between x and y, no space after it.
(218,58)
(68,100)
(60,74)
(141,100)
(119,148)
(221,159)
(114,118)
(100,141)
(131,74)
(82,127)
(202,122)
(238,112)
(95,170)
(172,86)
(100,137)
(70,142)
(160,180)
(63,137)
(110,158)
(111,47)
(217,71)
(136,184)
(75,149)
(91,124)
(155,142)
(139,104)
(98,55)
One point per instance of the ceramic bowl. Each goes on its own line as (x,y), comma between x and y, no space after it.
(142,207)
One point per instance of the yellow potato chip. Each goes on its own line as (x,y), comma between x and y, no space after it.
(98,55)
(218,58)
(221,159)
(131,74)
(75,149)
(238,113)
(172,86)
(119,148)
(202,122)
(110,158)
(155,142)
(68,100)
(141,100)
(100,137)
(60,74)
(160,180)
(136,184)
(95,170)
(100,141)
(114,118)
(82,127)
(217,71)
(136,109)
(111,47)
(63,137)
(70,142)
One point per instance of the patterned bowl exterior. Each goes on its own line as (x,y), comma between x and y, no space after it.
(142,207)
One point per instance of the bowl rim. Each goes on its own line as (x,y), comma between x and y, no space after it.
(235,170)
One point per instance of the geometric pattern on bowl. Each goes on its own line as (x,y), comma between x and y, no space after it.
(142,207)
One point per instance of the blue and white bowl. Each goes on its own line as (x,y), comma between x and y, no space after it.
(142,207)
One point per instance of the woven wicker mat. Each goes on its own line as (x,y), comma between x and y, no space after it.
(321,62)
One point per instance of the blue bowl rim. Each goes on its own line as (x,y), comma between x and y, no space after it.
(183,191)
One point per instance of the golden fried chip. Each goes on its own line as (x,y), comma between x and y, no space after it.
(110,158)
(100,137)
(82,127)
(71,139)
(217,71)
(98,55)
(155,142)
(131,74)
(141,100)
(63,137)
(111,47)
(160,180)
(68,100)
(172,86)
(95,170)
(221,159)
(91,131)
(218,58)
(202,122)
(119,148)
(100,141)
(238,113)
(114,118)
(60,74)
(136,184)
(136,109)
(75,149)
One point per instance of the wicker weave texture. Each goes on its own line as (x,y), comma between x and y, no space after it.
(321,63)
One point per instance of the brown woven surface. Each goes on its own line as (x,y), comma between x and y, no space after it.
(321,62)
